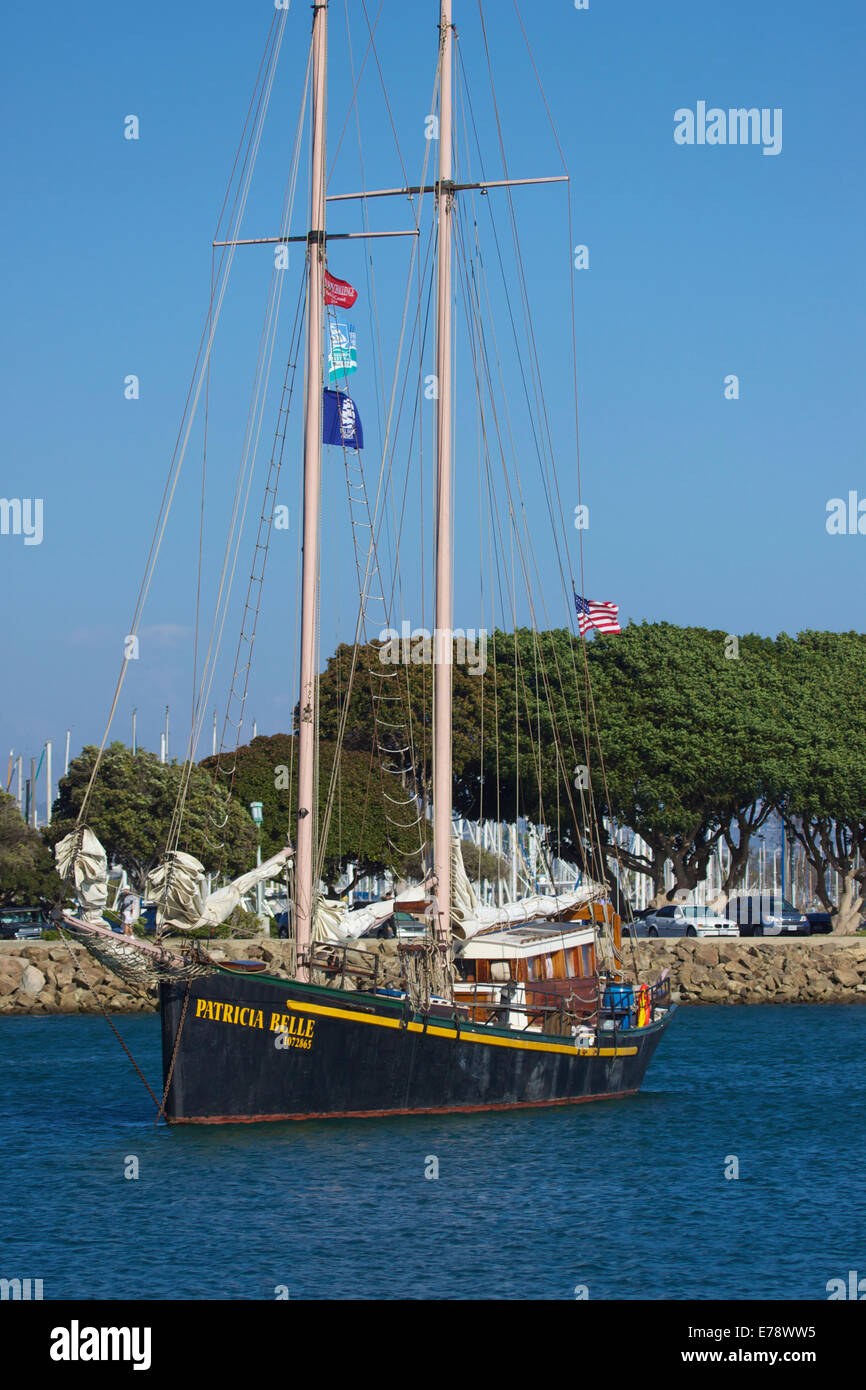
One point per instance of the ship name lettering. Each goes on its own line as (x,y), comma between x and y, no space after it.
(293,1025)
(221,1012)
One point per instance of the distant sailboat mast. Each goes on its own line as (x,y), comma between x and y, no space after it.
(304,903)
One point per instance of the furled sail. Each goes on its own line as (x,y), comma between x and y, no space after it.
(179,888)
(335,921)
(468,916)
(81,853)
(137,962)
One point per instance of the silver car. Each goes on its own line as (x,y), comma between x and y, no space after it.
(677,920)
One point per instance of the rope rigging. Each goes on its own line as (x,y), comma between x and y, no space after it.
(544,692)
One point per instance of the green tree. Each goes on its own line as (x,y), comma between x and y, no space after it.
(131,809)
(27,875)
(695,744)
(683,734)
(368,826)
(390,710)
(825,802)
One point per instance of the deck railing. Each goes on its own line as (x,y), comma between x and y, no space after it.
(535,1005)
(332,958)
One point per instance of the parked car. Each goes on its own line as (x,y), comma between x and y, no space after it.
(636,919)
(281,922)
(820,923)
(678,920)
(767,914)
(21,923)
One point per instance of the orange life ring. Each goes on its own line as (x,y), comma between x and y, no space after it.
(644,1012)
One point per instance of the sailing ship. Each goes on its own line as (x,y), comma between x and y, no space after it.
(521,1005)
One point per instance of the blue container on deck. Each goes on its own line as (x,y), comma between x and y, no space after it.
(619,1000)
(619,997)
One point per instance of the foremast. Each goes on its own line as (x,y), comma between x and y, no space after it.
(443,650)
(304,869)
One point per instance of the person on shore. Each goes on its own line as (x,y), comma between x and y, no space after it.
(129,912)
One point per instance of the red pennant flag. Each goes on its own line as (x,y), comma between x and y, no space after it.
(339,292)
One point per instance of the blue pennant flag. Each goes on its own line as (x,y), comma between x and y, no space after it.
(341,423)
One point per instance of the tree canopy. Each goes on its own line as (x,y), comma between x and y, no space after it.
(687,736)
(131,810)
(824,798)
(366,829)
(27,876)
(690,738)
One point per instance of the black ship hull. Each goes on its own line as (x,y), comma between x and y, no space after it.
(241,1048)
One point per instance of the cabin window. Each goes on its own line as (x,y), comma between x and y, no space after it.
(586,953)
(548,966)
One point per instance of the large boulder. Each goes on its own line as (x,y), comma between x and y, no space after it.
(32,981)
(12,965)
(847,978)
(737,967)
(691,975)
(705,953)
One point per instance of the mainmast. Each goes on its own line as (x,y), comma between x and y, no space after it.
(312,478)
(443,649)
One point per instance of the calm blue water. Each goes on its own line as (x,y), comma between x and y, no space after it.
(625,1197)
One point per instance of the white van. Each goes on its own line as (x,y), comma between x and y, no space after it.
(766,914)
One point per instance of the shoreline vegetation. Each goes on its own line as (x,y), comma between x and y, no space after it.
(713,746)
(44,978)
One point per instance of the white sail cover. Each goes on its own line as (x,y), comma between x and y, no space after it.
(179,886)
(81,851)
(334,921)
(468,916)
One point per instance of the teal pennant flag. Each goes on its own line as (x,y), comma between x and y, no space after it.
(343,354)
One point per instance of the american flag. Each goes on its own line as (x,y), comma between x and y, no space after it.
(590,613)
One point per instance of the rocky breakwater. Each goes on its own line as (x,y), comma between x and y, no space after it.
(47,978)
(805,970)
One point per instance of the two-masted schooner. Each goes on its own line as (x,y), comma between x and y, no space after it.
(522,1006)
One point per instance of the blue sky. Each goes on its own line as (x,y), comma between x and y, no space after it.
(704,261)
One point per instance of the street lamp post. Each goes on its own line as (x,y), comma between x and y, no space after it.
(257,813)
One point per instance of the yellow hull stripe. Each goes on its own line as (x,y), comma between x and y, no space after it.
(436,1032)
